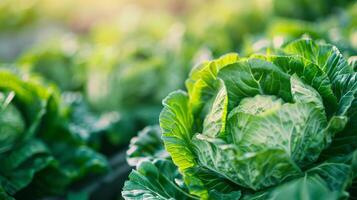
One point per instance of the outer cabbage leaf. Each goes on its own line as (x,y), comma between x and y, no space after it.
(326,56)
(208,184)
(146,146)
(29,99)
(308,188)
(73,162)
(176,123)
(201,83)
(11,122)
(88,125)
(177,126)
(338,172)
(331,62)
(328,180)
(155,180)
(247,78)
(4,195)
(310,74)
(45,156)
(19,166)
(346,141)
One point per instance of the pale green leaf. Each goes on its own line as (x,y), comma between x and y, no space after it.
(176,123)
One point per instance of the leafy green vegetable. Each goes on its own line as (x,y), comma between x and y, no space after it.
(308,187)
(154,181)
(38,150)
(58,61)
(148,153)
(270,126)
(146,146)
(337,29)
(85,123)
(232,20)
(146,64)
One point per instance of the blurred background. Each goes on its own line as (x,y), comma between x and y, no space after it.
(115,60)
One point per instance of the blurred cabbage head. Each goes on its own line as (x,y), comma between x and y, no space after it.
(221,26)
(134,71)
(39,154)
(22,107)
(57,60)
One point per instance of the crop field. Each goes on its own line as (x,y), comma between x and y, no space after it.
(178,100)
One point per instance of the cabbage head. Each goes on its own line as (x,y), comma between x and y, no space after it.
(274,126)
(39,154)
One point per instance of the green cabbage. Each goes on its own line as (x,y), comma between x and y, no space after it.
(39,154)
(270,126)
(58,61)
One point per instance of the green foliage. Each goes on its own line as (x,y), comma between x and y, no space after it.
(154,180)
(229,19)
(278,121)
(16,15)
(57,61)
(304,9)
(146,146)
(264,127)
(336,28)
(39,153)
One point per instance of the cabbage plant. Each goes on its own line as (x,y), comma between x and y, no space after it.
(275,126)
(133,72)
(232,21)
(336,29)
(39,154)
(60,61)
